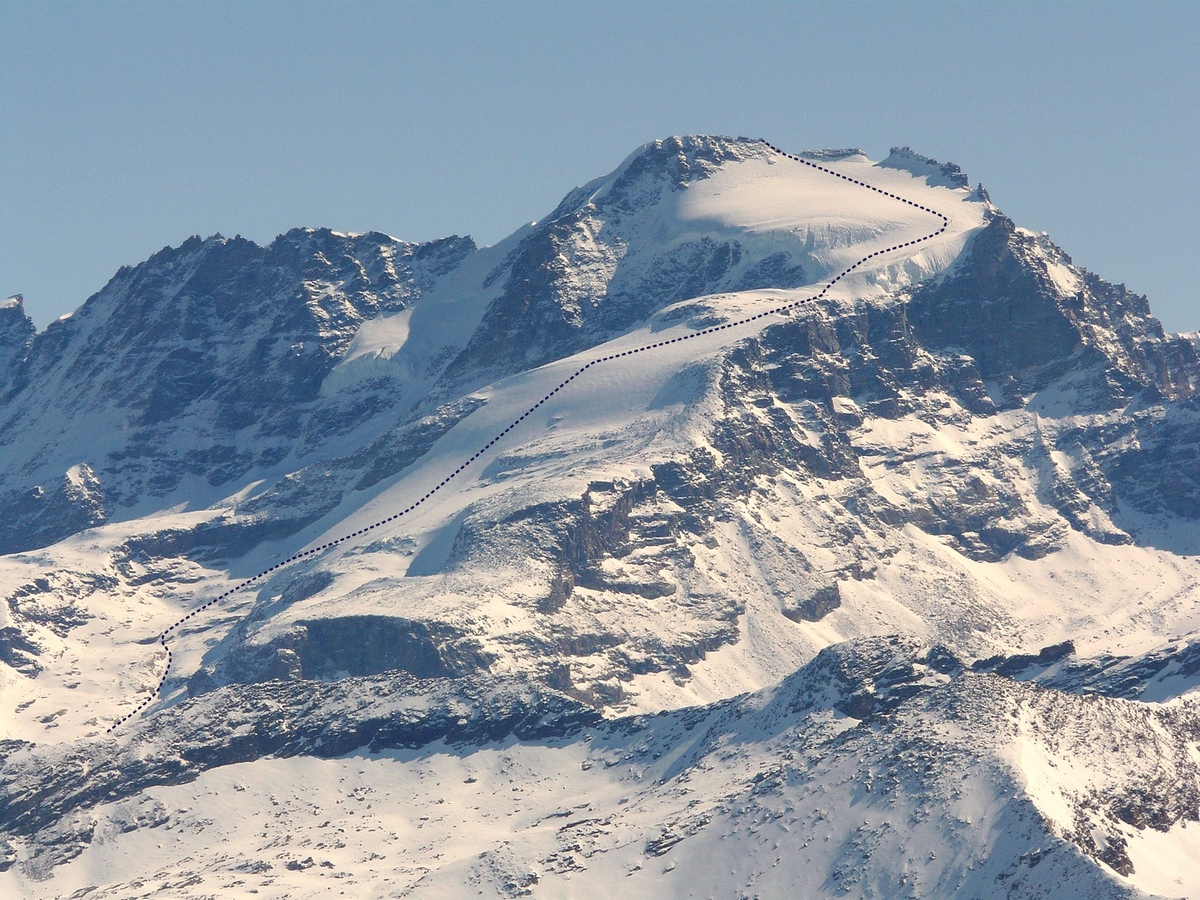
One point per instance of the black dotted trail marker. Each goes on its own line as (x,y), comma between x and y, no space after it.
(774,311)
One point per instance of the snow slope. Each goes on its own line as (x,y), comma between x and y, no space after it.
(881,769)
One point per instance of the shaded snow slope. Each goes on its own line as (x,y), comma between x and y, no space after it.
(880,769)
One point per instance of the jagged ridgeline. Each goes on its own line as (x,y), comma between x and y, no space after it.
(906,567)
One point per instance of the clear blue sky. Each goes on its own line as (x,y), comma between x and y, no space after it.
(129,126)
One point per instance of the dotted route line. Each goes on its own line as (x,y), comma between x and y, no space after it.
(774,311)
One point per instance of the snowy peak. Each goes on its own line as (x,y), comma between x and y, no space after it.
(672,163)
(680,161)
(935,174)
(806,455)
(682,218)
(618,249)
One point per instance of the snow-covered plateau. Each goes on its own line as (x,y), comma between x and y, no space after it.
(753,525)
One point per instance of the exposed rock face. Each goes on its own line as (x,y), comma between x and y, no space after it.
(1152,463)
(16,333)
(935,173)
(1016,307)
(42,515)
(330,649)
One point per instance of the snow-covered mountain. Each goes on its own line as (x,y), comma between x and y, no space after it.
(751,524)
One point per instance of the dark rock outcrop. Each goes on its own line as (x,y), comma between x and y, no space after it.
(16,334)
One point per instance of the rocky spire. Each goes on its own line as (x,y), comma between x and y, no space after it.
(16,331)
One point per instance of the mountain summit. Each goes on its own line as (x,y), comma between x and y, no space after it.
(753,522)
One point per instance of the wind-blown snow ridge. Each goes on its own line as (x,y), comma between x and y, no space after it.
(782,309)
